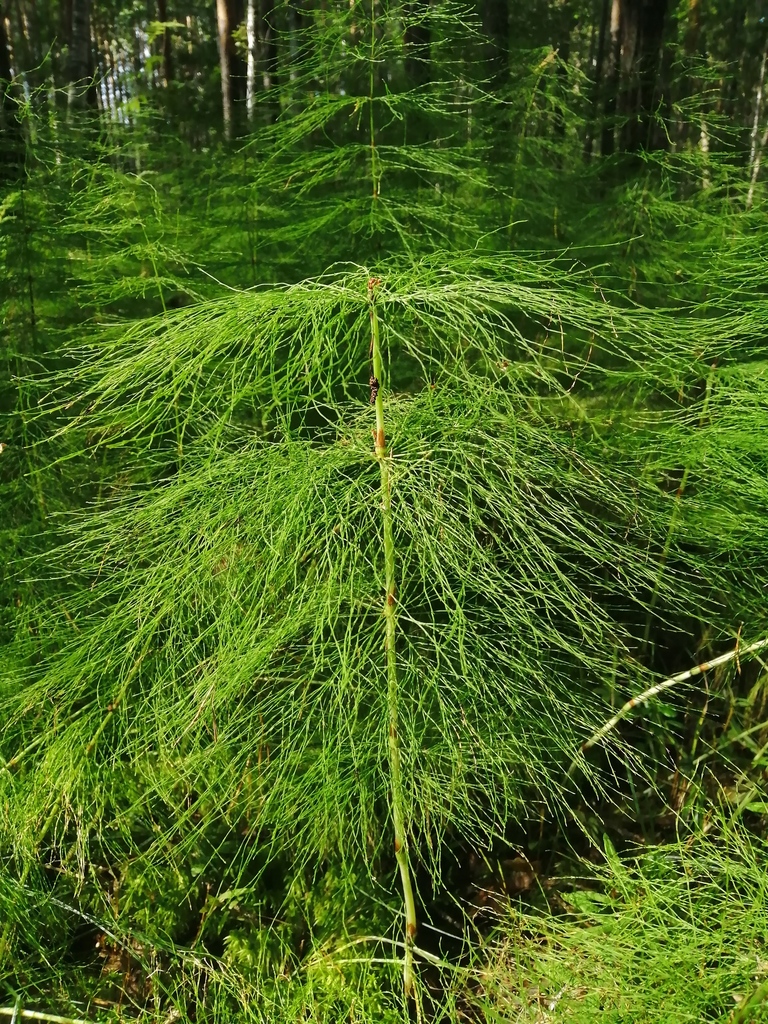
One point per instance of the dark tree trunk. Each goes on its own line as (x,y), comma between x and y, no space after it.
(297,37)
(82,91)
(562,45)
(268,43)
(236,10)
(496,28)
(417,40)
(642,26)
(608,135)
(25,56)
(597,81)
(693,28)
(11,139)
(5,60)
(64,31)
(162,14)
(9,133)
(268,54)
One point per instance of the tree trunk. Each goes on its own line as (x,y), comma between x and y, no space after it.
(693,28)
(268,43)
(11,141)
(268,53)
(642,25)
(634,85)
(250,77)
(296,38)
(233,78)
(6,114)
(568,21)
(417,41)
(25,39)
(162,14)
(82,92)
(496,28)
(225,63)
(597,82)
(608,138)
(756,144)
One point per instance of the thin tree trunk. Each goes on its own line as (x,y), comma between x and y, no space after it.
(756,168)
(27,57)
(706,180)
(61,65)
(5,59)
(250,78)
(268,54)
(225,63)
(417,39)
(757,144)
(82,92)
(10,134)
(605,8)
(562,46)
(162,14)
(496,28)
(608,138)
(693,27)
(268,43)
(296,41)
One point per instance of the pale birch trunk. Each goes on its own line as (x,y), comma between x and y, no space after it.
(757,144)
(706,181)
(250,81)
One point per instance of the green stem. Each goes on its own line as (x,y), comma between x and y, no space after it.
(390,635)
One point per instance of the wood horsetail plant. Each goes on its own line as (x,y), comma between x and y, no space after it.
(390,644)
(280,632)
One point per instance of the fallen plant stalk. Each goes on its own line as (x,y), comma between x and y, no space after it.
(744,1011)
(666,684)
(14,1012)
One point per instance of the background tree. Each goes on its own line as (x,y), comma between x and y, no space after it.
(7,113)
(82,91)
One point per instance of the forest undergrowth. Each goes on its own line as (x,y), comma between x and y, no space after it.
(384,517)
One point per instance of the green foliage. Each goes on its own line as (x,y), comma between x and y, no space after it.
(212,716)
(673,934)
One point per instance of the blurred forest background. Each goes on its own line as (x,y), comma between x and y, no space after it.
(383,511)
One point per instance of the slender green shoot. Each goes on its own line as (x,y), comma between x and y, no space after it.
(390,646)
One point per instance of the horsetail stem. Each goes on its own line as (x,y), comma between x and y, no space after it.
(390,620)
